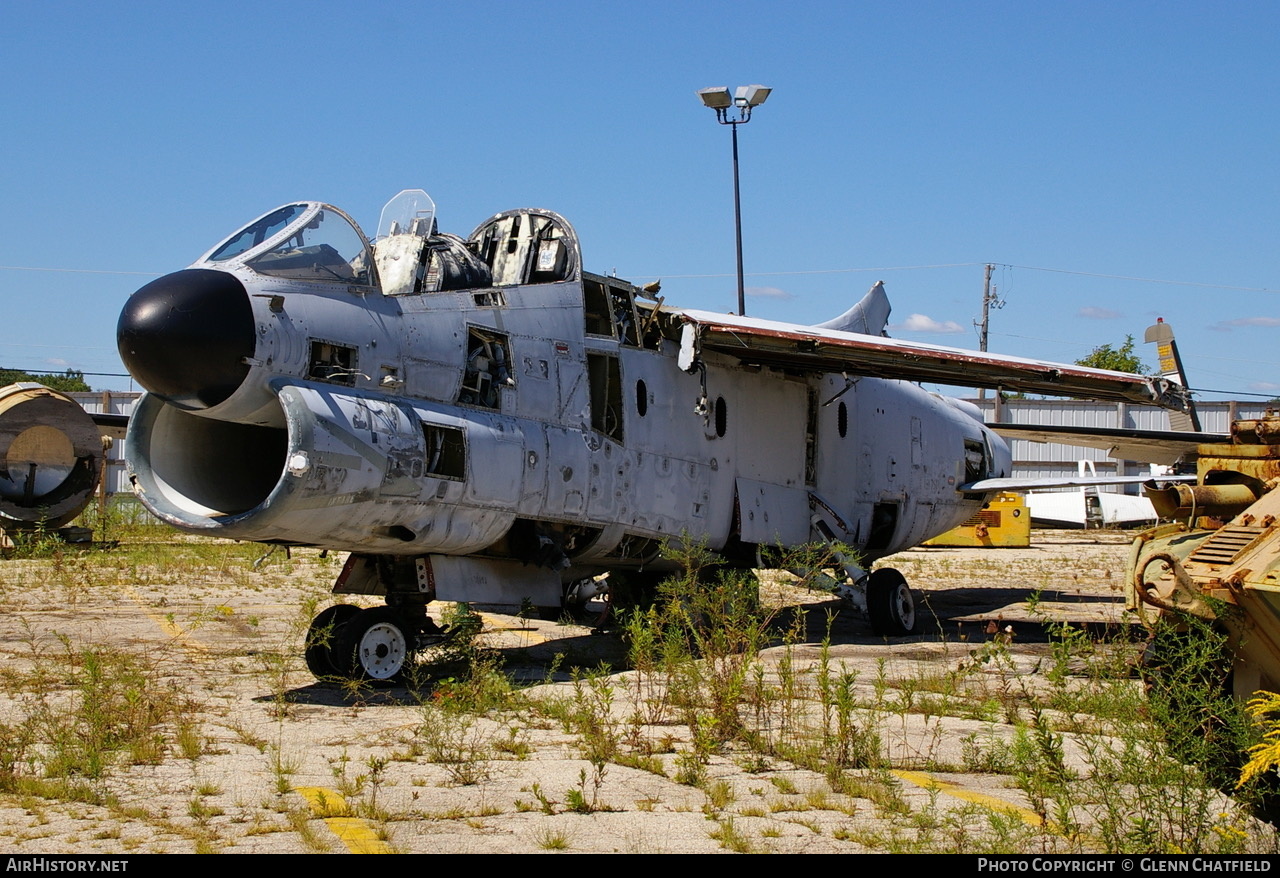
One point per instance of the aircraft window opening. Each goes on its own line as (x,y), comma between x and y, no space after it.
(650,331)
(446,452)
(842,420)
(595,306)
(642,398)
(722,416)
(604,377)
(975,460)
(487,368)
(335,363)
(624,316)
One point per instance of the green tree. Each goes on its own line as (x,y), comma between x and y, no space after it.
(1121,359)
(70,381)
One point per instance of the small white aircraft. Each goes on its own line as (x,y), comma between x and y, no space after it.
(481,419)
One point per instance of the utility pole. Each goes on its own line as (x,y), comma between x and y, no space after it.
(986,307)
(989,300)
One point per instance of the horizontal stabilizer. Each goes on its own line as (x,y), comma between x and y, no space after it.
(987,486)
(1147,446)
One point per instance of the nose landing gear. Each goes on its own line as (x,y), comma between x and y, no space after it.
(375,645)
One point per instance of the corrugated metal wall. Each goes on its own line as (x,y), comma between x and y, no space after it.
(111,402)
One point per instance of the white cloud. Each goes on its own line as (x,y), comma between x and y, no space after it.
(767,292)
(1098,313)
(1247,321)
(922,323)
(1264,387)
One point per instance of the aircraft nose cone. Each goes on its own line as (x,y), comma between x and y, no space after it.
(185,336)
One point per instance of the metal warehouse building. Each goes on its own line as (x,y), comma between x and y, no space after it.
(111,402)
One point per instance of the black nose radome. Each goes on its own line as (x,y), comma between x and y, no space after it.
(185,337)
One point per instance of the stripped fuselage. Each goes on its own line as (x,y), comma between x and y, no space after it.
(429,396)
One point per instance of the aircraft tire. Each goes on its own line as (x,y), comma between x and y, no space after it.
(376,645)
(322,637)
(890,604)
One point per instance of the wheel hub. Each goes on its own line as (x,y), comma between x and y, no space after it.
(906,606)
(382,651)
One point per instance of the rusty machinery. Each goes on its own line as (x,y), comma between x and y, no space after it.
(1220,561)
(51,458)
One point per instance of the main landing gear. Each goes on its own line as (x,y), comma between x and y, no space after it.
(890,605)
(883,595)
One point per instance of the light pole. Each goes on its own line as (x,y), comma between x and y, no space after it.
(745,98)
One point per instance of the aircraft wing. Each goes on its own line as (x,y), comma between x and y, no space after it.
(1148,446)
(788,345)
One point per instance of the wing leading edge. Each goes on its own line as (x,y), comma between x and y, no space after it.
(787,345)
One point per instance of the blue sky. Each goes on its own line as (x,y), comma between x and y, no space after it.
(1079,148)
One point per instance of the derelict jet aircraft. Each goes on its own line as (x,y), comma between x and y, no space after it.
(481,419)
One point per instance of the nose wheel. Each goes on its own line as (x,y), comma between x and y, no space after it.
(890,604)
(374,646)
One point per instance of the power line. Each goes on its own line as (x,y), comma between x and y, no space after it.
(77,270)
(1232,392)
(816,271)
(1147,280)
(45,370)
(1095,274)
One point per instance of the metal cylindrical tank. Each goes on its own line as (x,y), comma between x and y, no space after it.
(51,457)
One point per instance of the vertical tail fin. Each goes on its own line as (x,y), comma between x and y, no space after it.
(1171,368)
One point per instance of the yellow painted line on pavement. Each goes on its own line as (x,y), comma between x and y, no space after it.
(355,832)
(929,782)
(167,624)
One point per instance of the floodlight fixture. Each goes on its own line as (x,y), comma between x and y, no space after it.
(751,95)
(716,98)
(745,98)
